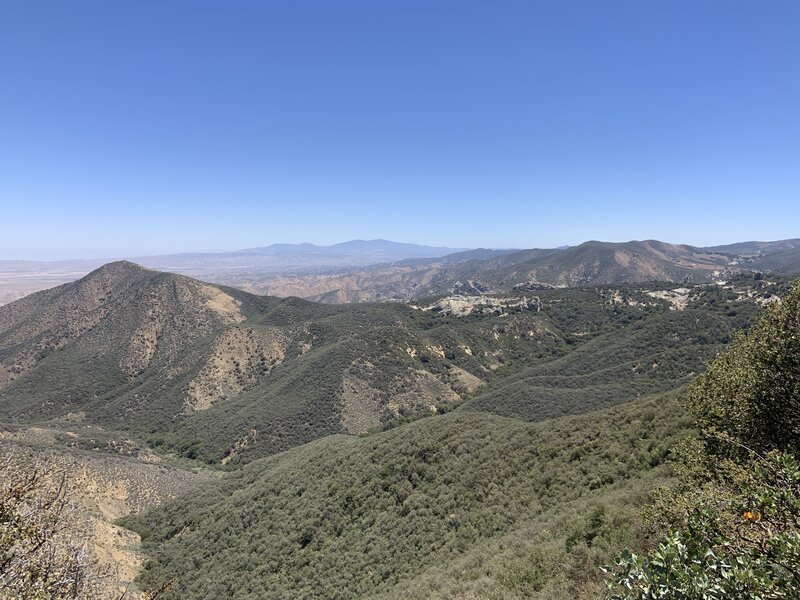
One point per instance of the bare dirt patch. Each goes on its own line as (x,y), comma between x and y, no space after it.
(678,298)
(221,303)
(240,358)
(100,489)
(469,381)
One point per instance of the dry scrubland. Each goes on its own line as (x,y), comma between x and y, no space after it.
(101,485)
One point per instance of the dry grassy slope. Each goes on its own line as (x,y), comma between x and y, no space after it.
(598,263)
(358,286)
(354,284)
(100,488)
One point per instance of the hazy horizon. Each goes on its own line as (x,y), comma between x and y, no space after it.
(88,254)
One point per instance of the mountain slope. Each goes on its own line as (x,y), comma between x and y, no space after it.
(220,375)
(644,357)
(468,502)
(755,248)
(591,263)
(48,320)
(785,261)
(435,499)
(471,504)
(608,263)
(217,373)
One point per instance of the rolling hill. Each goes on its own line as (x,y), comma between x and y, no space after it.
(217,374)
(756,248)
(467,505)
(462,446)
(217,368)
(590,263)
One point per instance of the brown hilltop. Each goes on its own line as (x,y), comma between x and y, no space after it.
(134,349)
(140,308)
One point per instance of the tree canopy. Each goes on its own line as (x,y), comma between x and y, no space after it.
(750,395)
(738,533)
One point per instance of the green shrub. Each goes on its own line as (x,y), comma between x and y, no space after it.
(736,533)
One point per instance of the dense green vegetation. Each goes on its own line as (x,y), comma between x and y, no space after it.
(734,524)
(617,352)
(508,509)
(361,517)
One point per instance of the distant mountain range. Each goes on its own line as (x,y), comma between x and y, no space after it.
(275,256)
(284,257)
(489,271)
(379,270)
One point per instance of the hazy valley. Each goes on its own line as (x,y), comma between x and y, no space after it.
(379,270)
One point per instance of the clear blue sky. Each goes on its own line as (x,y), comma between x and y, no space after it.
(132,127)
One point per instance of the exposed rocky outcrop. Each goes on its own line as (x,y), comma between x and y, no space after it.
(461,306)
